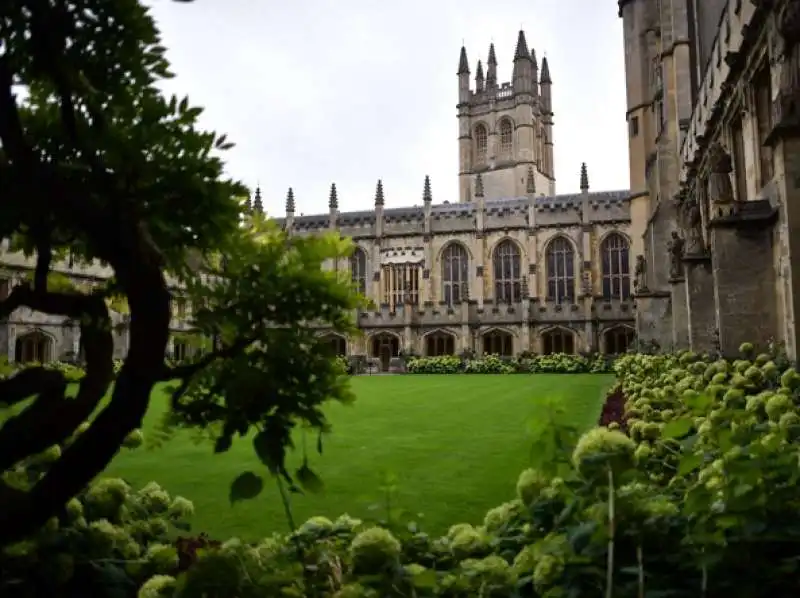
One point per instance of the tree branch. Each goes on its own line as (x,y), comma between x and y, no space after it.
(52,417)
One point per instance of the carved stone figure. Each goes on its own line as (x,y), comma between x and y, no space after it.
(693,226)
(640,275)
(675,247)
(789,28)
(720,189)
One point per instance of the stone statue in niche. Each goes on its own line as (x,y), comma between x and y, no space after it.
(789,29)
(640,275)
(720,189)
(693,226)
(675,246)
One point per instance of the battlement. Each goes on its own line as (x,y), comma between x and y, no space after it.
(604,206)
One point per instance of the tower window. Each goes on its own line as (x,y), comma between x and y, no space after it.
(481,144)
(634,126)
(506,138)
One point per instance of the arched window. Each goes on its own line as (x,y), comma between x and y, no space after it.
(180,351)
(506,138)
(616,267)
(560,271)
(481,144)
(337,344)
(439,343)
(618,340)
(455,272)
(33,346)
(358,270)
(507,272)
(558,340)
(498,342)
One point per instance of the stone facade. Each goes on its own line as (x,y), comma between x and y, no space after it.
(720,168)
(508,266)
(34,336)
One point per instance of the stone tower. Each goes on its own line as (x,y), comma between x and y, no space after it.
(505,129)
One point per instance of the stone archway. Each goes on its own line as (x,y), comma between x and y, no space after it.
(34,346)
(439,342)
(384,346)
(558,340)
(336,342)
(618,340)
(498,342)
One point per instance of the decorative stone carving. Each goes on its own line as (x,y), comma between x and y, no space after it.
(692,224)
(720,190)
(789,28)
(675,247)
(640,275)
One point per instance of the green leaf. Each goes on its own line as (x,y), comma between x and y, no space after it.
(699,403)
(677,428)
(245,487)
(309,480)
(689,462)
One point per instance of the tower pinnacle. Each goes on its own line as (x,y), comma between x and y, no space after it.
(379,193)
(290,201)
(479,185)
(463,64)
(522,48)
(584,178)
(333,200)
(427,196)
(545,78)
(258,205)
(530,187)
(491,71)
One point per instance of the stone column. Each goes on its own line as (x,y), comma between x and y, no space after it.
(680,316)
(465,339)
(700,308)
(744,276)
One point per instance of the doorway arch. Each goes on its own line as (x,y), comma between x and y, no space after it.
(34,346)
(385,345)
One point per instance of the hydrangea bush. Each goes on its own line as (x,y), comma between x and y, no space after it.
(528,363)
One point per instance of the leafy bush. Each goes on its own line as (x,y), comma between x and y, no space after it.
(525,363)
(107,542)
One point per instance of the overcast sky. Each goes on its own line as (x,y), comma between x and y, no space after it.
(350,91)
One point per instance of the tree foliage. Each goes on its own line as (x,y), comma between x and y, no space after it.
(96,164)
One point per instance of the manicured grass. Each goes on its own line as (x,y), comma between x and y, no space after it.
(455,443)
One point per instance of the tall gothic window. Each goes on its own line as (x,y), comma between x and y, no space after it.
(400,285)
(455,272)
(481,144)
(358,270)
(558,340)
(506,138)
(614,253)
(507,273)
(560,271)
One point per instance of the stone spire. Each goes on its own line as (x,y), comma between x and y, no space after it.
(530,186)
(427,196)
(290,201)
(522,47)
(379,193)
(333,199)
(463,63)
(480,81)
(545,77)
(584,178)
(479,185)
(534,61)
(491,71)
(258,205)
(534,72)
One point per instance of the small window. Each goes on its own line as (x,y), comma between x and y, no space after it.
(634,126)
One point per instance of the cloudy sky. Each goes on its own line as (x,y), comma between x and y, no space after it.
(350,91)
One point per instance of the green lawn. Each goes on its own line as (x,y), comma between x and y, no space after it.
(455,443)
